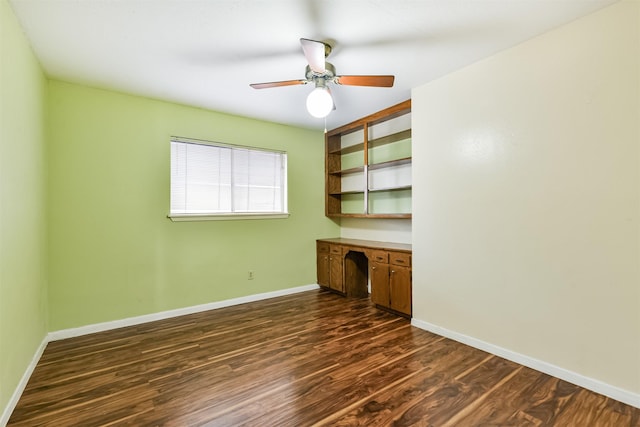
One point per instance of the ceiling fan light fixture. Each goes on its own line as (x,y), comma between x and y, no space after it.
(320,72)
(319,102)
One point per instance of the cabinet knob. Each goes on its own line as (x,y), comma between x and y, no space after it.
(393,271)
(373,268)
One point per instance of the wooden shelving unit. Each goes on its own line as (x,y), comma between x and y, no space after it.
(368,166)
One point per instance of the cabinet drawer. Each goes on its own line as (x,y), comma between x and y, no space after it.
(400,258)
(336,250)
(380,256)
(322,248)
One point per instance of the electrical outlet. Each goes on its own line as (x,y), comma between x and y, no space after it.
(250,275)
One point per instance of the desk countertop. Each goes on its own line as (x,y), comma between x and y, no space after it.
(369,244)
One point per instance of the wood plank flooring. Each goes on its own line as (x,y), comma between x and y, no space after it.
(310,359)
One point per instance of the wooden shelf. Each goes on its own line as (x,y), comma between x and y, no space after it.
(389,139)
(349,149)
(403,187)
(357,169)
(339,193)
(390,163)
(374,166)
(395,124)
(368,215)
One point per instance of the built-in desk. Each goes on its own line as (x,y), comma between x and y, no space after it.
(346,265)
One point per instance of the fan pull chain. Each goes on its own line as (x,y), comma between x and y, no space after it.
(325,124)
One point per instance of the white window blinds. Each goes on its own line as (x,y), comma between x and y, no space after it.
(211,178)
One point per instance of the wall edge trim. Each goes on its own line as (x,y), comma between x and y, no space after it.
(132,321)
(22,384)
(137,320)
(592,384)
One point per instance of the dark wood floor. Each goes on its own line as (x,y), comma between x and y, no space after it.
(302,360)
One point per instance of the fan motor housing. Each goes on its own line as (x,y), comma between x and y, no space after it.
(329,72)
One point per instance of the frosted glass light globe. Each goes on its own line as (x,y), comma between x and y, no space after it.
(319,102)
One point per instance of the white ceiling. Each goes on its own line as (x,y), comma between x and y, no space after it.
(205,53)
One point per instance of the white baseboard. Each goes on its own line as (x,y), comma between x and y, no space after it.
(11,405)
(132,321)
(597,386)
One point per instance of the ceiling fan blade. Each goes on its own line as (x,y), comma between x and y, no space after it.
(277,84)
(379,81)
(314,52)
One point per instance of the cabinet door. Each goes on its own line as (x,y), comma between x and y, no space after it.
(335,273)
(400,289)
(379,284)
(323,269)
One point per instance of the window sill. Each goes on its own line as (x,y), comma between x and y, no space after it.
(225,217)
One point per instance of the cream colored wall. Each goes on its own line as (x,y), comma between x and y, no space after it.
(527,199)
(383,230)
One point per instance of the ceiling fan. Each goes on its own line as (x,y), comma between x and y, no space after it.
(321,73)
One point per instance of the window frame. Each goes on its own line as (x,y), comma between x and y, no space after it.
(213,216)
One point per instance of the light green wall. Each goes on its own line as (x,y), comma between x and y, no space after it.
(114,254)
(23,312)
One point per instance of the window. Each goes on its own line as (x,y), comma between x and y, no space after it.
(210,179)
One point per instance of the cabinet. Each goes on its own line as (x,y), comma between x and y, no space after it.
(346,265)
(368,166)
(391,281)
(330,266)
(322,254)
